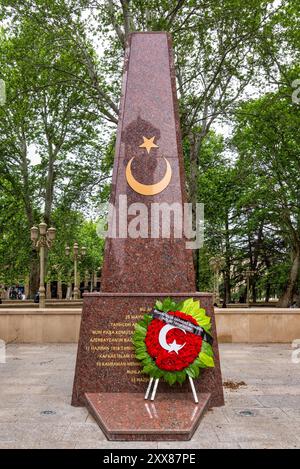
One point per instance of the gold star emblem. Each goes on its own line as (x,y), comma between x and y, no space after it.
(148,144)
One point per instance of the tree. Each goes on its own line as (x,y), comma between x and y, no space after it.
(73,227)
(223,50)
(267,140)
(53,117)
(218,47)
(219,189)
(14,255)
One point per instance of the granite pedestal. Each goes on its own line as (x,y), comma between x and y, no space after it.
(127,416)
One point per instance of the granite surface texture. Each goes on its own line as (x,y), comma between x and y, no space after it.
(148,109)
(126,416)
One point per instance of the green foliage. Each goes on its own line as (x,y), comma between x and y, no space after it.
(50,145)
(167,305)
(72,227)
(14,254)
(62,62)
(267,140)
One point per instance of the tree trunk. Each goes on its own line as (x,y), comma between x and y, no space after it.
(128,22)
(267,294)
(227,287)
(193,189)
(287,296)
(268,285)
(254,291)
(34,258)
(49,187)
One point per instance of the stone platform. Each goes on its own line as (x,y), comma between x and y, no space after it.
(128,417)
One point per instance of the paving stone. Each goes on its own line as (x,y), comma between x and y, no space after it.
(38,444)
(84,432)
(292,413)
(117,445)
(18,431)
(267,444)
(278,400)
(258,431)
(201,444)
(255,414)
(239,400)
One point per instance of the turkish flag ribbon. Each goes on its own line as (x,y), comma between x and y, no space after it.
(182,324)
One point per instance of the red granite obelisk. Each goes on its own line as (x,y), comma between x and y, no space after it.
(148,110)
(148,169)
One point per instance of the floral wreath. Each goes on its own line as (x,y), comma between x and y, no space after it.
(168,351)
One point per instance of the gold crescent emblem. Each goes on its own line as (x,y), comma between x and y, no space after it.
(148,189)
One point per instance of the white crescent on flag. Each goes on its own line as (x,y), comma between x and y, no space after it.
(162,338)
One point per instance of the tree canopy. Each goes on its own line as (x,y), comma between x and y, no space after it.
(237,71)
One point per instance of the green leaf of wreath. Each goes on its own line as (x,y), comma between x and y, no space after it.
(207,348)
(206,360)
(167,305)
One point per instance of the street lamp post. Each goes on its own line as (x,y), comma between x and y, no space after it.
(76,256)
(42,239)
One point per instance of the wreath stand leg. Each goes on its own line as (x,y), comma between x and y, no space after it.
(149,388)
(154,389)
(193,390)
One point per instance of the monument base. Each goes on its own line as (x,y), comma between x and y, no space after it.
(109,380)
(128,417)
(106,359)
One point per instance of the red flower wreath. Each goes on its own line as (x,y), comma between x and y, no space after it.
(172,360)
